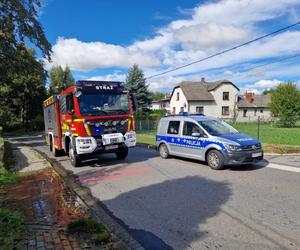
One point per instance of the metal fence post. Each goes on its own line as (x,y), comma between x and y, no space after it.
(258,126)
(140,124)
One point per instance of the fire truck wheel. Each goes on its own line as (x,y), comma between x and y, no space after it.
(74,158)
(55,152)
(122,153)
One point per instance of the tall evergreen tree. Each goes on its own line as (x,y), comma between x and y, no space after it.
(285,104)
(60,79)
(136,84)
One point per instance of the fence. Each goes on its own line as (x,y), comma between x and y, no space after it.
(146,125)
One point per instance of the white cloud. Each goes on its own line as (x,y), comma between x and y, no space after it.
(109,77)
(86,56)
(208,28)
(211,35)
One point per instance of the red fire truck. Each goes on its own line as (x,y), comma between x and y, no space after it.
(92,117)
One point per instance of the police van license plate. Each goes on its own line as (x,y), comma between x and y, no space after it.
(254,155)
(110,147)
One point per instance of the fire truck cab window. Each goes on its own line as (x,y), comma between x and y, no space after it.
(70,103)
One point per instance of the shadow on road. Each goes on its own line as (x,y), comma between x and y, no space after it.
(169,214)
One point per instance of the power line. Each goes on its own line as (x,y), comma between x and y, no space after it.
(224,51)
(269,63)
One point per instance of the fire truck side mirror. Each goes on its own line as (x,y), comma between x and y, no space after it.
(71,112)
(133,102)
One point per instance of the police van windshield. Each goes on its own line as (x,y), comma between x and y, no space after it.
(103,104)
(217,127)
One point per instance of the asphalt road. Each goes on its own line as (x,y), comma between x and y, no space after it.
(183,204)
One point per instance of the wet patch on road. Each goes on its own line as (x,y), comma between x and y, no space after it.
(44,199)
(94,177)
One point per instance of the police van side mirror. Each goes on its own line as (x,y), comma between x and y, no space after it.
(195,134)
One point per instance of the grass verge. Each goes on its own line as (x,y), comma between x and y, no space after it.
(11,222)
(11,227)
(98,232)
(7,176)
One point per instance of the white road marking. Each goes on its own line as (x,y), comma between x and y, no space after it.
(283,167)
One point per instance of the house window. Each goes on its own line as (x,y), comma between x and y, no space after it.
(173,127)
(255,111)
(181,109)
(225,96)
(261,111)
(177,96)
(199,109)
(245,113)
(225,110)
(174,110)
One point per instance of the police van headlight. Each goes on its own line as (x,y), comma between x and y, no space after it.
(231,147)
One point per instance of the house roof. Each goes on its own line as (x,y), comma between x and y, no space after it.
(200,91)
(259,101)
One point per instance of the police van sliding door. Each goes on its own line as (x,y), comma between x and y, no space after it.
(191,145)
(174,137)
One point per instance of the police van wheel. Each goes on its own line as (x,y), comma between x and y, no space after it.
(122,153)
(163,151)
(215,159)
(74,158)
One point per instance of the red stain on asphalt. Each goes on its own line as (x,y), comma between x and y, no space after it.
(107,172)
(117,175)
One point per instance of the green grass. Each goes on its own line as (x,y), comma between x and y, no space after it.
(269,134)
(11,227)
(7,176)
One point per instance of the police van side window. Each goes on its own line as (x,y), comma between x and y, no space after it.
(173,127)
(189,128)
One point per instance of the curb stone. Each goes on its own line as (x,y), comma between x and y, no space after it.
(96,207)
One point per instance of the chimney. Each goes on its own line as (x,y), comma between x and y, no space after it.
(249,97)
(202,79)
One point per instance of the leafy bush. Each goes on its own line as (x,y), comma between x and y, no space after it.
(285,104)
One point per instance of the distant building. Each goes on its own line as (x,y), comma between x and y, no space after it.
(210,98)
(163,104)
(250,106)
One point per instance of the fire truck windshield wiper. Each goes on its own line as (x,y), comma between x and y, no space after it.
(122,111)
(97,113)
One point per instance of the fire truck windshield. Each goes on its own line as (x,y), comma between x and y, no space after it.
(103,104)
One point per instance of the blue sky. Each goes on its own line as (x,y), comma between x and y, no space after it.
(101,39)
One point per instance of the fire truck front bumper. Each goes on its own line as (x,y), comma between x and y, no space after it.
(91,145)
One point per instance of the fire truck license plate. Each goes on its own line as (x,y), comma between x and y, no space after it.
(113,140)
(110,147)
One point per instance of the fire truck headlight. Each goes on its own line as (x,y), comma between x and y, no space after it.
(84,141)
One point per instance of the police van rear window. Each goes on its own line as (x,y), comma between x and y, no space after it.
(173,127)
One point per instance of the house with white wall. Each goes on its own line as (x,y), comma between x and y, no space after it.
(251,106)
(210,98)
(162,104)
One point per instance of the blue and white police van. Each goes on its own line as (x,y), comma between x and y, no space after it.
(206,138)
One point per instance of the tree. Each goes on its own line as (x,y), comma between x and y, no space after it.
(156,96)
(285,104)
(19,20)
(136,84)
(60,79)
(22,77)
(21,100)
